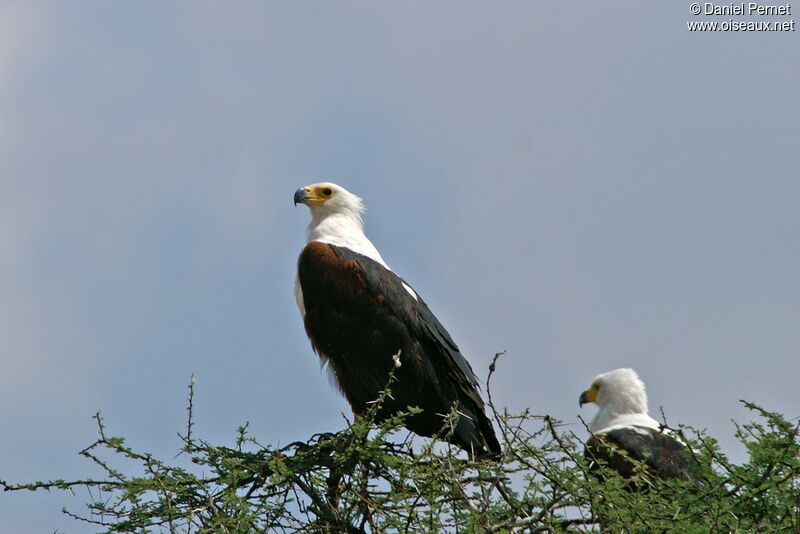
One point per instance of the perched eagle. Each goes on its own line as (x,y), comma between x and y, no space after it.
(363,320)
(622,424)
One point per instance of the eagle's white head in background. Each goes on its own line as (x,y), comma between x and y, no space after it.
(622,399)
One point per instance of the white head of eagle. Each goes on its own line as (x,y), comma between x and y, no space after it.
(622,424)
(336,218)
(366,322)
(621,396)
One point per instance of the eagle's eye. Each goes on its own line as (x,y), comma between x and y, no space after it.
(327,191)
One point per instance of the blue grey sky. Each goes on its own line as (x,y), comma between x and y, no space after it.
(586,185)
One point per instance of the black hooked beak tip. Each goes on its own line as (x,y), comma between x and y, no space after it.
(300,196)
(582,400)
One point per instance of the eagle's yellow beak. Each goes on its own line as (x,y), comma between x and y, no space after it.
(588,396)
(314,195)
(301,196)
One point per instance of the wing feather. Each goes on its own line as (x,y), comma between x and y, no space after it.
(664,455)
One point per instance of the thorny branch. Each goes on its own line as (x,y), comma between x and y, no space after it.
(373,477)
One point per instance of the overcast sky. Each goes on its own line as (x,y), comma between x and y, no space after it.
(586,185)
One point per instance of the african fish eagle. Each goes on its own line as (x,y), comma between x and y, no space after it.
(622,424)
(363,320)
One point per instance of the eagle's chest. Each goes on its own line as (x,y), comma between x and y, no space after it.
(353,308)
(341,325)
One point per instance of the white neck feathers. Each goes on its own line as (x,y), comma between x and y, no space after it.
(608,418)
(343,228)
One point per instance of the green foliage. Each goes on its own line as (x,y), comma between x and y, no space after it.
(365,479)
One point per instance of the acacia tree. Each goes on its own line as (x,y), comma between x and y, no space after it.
(372,477)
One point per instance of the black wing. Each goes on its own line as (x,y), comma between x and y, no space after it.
(358,314)
(665,456)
